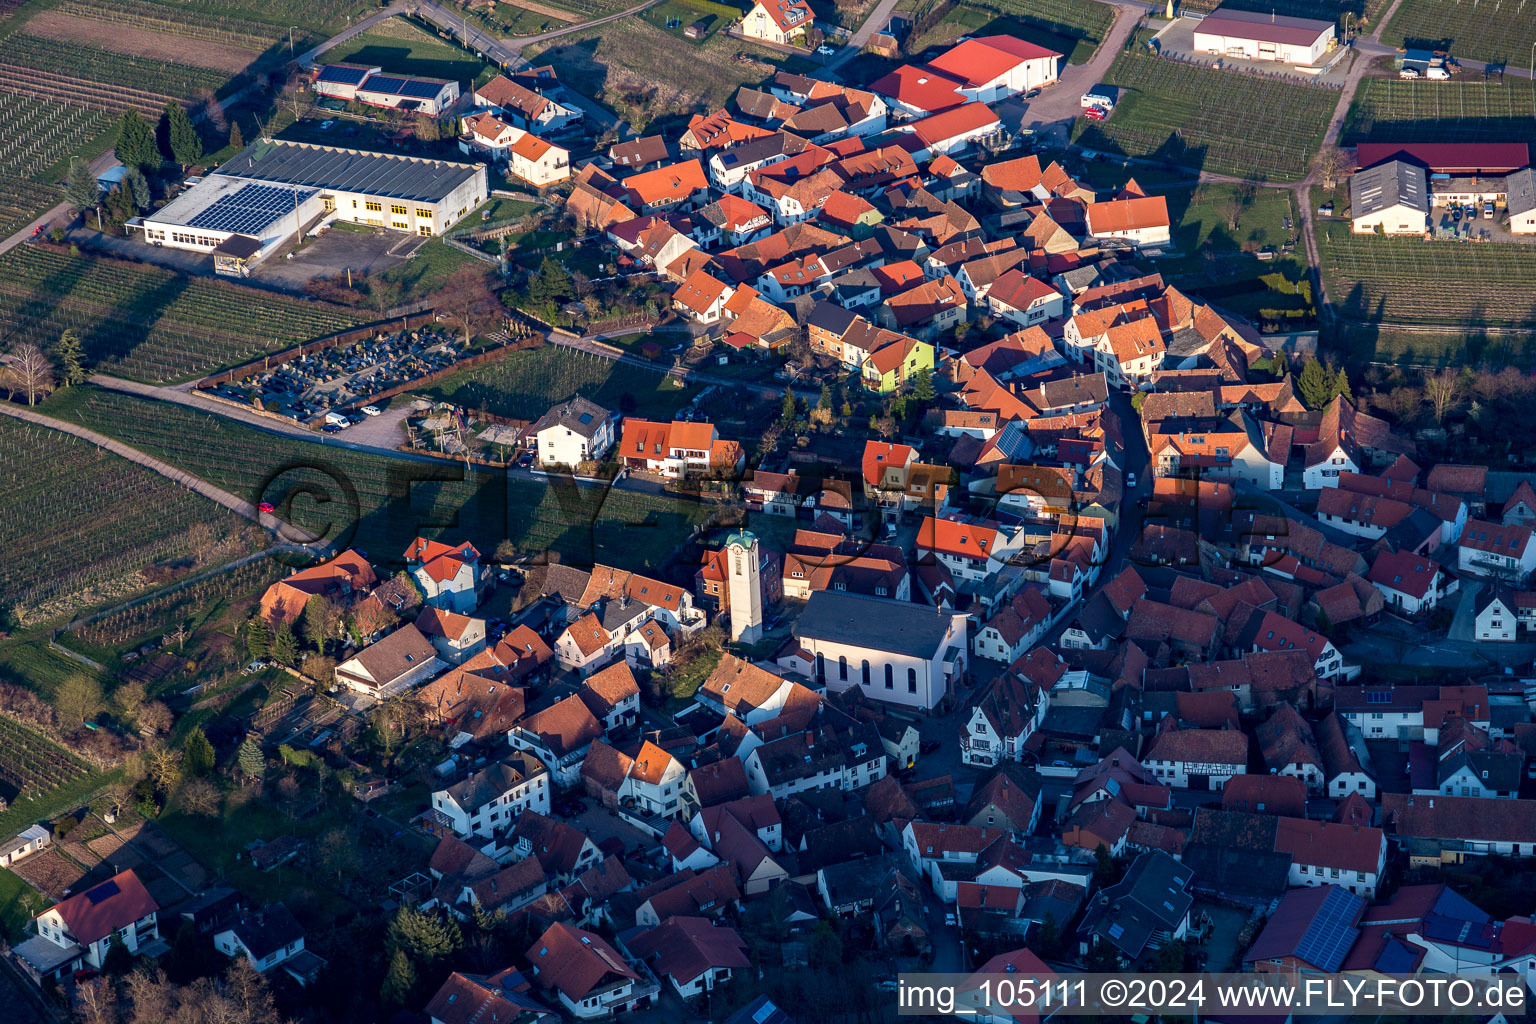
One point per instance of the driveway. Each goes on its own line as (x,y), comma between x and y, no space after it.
(1061,102)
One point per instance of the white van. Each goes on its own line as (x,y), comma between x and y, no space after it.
(337,419)
(1438,75)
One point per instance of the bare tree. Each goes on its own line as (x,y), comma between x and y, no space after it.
(28,371)
(200,797)
(165,768)
(466,300)
(1332,164)
(155,718)
(1442,391)
(96,1002)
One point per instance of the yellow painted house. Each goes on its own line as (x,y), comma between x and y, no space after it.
(777,21)
(891,366)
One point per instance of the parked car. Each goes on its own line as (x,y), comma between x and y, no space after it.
(1095,113)
(825,51)
(372,410)
(1438,75)
(266,507)
(1130,479)
(928,746)
(1408,73)
(325,126)
(1488,210)
(333,428)
(1033,93)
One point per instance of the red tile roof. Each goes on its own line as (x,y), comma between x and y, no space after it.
(97,912)
(979,61)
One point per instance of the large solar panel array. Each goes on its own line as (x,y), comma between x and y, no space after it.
(1332,931)
(402,86)
(250,208)
(342,74)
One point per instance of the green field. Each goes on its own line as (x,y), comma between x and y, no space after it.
(1432,348)
(16,907)
(1397,110)
(1210,119)
(106,519)
(646,72)
(31,764)
(39,134)
(1480,31)
(1407,280)
(1074,27)
(524,384)
(404,48)
(65,58)
(674,17)
(380,503)
(150,324)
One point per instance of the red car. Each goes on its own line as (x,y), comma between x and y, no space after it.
(266,506)
(1094,113)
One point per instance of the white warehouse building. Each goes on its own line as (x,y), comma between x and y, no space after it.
(267,193)
(1251,35)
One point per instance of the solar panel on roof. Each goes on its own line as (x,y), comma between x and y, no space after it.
(250,208)
(105,891)
(1332,931)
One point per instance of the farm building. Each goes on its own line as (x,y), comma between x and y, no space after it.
(1250,35)
(356,82)
(1522,202)
(1458,172)
(1392,198)
(992,68)
(273,188)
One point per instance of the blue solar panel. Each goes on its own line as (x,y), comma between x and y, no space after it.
(348,76)
(395,85)
(250,208)
(105,891)
(1332,931)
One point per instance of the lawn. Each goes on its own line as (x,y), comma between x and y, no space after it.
(17,900)
(402,47)
(380,503)
(524,384)
(140,321)
(429,267)
(645,72)
(675,16)
(1408,280)
(1073,27)
(1210,119)
(1216,260)
(1466,30)
(108,520)
(1431,348)
(1396,110)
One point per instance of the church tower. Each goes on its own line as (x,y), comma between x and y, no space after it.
(743,564)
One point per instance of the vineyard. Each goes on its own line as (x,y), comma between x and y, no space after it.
(164,610)
(156,17)
(1214,120)
(323,17)
(1394,110)
(1322,10)
(81,525)
(1413,281)
(378,503)
(147,323)
(524,384)
(31,763)
(58,58)
(1497,31)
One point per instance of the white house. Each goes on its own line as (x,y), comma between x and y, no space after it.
(572,432)
(777,21)
(392,665)
(1024,300)
(653,789)
(1333,853)
(1496,551)
(970,551)
(524,107)
(1494,615)
(489,800)
(893,651)
(85,924)
(1006,715)
(536,161)
(449,575)
(265,937)
(1140,220)
(585,974)
(1197,758)
(693,953)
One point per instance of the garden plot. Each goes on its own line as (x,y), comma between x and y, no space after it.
(1413,281)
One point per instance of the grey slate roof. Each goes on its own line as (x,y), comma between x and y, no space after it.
(1522,191)
(579,415)
(1386,185)
(898,627)
(349,170)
